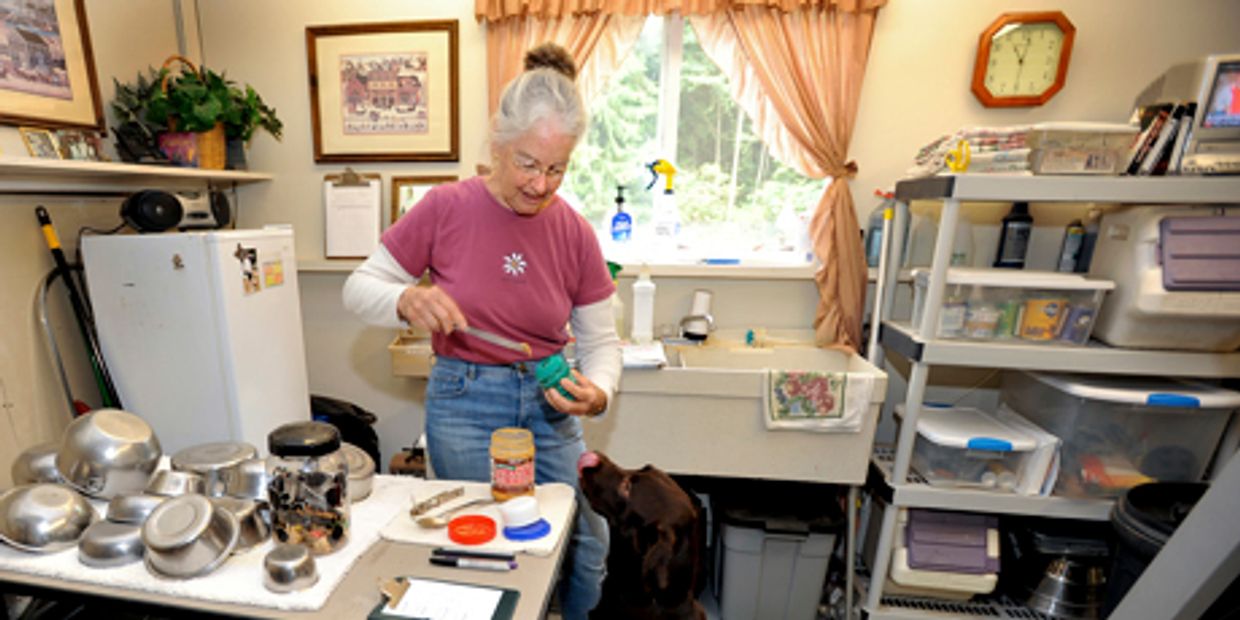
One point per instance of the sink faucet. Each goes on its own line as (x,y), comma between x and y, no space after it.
(699,322)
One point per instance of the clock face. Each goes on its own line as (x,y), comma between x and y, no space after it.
(1022,59)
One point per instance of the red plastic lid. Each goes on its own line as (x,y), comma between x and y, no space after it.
(471,529)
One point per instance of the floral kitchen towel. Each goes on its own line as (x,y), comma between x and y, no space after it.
(828,402)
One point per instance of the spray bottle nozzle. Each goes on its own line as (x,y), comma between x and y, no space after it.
(665,168)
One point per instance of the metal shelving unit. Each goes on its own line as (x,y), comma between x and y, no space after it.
(924,353)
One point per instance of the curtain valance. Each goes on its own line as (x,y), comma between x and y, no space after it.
(495,10)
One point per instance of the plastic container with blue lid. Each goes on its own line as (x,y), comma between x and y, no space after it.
(971,448)
(1119,432)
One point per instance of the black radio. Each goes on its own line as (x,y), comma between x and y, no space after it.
(158,211)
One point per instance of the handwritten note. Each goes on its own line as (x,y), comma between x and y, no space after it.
(436,600)
(351,223)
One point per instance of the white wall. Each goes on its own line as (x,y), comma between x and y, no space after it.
(917,88)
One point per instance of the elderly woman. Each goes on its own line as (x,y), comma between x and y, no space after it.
(505,254)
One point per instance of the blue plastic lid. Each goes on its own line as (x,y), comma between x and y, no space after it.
(533,531)
(989,444)
(1163,399)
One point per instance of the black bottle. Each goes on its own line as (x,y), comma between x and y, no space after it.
(1014,237)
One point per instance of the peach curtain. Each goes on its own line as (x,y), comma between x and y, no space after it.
(798,75)
(598,43)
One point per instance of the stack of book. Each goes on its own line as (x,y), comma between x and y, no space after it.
(1164,129)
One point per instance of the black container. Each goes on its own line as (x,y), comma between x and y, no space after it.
(1014,237)
(1144,518)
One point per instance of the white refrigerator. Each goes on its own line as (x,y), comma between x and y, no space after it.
(201,331)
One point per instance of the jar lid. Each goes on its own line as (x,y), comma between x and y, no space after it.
(471,529)
(304,439)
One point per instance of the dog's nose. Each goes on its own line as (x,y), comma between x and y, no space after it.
(587,459)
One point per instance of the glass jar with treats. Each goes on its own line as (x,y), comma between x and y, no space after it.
(307,486)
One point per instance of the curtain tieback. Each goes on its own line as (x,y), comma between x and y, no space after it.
(848,171)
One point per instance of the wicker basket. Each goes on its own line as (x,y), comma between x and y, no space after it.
(212,147)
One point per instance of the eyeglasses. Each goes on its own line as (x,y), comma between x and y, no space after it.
(528,166)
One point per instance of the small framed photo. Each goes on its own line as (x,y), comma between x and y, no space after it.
(78,144)
(407,191)
(40,142)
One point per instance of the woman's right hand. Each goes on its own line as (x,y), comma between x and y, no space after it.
(430,308)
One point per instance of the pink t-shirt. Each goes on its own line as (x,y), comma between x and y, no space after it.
(516,276)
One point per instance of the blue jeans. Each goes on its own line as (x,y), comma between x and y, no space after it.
(465,403)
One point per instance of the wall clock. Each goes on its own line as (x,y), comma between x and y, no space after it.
(1022,59)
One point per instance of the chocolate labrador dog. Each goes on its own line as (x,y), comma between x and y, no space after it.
(654,567)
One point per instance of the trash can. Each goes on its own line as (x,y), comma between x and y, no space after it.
(356,425)
(772,562)
(1144,518)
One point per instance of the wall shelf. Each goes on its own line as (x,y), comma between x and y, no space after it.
(29,175)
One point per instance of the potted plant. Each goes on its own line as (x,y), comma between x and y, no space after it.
(188,116)
(247,114)
(135,134)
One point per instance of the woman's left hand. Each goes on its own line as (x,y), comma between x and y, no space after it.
(588,399)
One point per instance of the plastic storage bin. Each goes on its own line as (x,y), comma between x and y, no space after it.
(1178,270)
(1118,432)
(970,448)
(1079,148)
(1037,307)
(773,565)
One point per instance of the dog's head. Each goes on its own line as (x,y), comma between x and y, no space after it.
(652,518)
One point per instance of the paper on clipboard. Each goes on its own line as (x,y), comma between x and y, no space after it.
(352,208)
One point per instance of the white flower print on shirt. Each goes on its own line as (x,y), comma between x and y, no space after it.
(514,264)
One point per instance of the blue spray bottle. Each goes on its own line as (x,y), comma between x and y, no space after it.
(621,222)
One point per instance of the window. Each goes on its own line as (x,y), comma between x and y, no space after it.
(735,201)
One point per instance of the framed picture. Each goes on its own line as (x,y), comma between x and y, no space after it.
(40,142)
(47,70)
(79,144)
(407,191)
(384,91)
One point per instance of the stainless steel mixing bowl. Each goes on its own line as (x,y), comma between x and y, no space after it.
(108,452)
(188,536)
(361,472)
(36,464)
(133,508)
(253,518)
(289,568)
(44,517)
(171,483)
(210,460)
(246,480)
(106,544)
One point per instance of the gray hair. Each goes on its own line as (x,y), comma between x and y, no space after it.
(536,95)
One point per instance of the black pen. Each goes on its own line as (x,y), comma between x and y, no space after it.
(450,552)
(496,565)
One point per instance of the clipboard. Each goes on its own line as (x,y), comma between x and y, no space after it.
(504,610)
(352,211)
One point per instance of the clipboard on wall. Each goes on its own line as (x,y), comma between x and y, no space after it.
(352,211)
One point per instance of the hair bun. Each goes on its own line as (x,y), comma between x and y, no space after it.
(551,56)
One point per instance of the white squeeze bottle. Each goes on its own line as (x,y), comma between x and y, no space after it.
(643,308)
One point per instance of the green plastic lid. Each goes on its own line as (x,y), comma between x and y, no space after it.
(549,372)
(614,268)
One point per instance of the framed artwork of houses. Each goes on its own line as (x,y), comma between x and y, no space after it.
(47,70)
(384,91)
(407,191)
